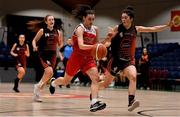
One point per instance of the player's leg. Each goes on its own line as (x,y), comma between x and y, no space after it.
(107,80)
(20,75)
(94,76)
(48,72)
(131,73)
(109,73)
(59,81)
(72,68)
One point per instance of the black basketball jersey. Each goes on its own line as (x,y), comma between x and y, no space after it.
(124,43)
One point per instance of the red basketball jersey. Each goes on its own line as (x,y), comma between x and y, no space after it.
(89,38)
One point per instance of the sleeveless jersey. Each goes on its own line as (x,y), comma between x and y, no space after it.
(48,40)
(20,50)
(89,38)
(124,43)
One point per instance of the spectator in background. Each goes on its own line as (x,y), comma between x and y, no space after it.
(65,53)
(66,50)
(144,69)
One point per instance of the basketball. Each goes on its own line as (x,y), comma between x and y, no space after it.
(99,51)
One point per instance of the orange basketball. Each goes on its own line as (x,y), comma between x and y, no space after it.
(99,51)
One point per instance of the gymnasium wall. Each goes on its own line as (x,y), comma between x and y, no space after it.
(148,13)
(37,8)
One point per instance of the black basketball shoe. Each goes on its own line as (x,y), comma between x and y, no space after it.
(133,105)
(51,88)
(97,106)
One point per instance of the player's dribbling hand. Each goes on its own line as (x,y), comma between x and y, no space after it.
(111,32)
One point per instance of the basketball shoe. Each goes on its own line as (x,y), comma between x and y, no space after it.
(51,88)
(97,106)
(36,96)
(133,105)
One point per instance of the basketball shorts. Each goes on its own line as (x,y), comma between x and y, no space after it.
(48,58)
(21,64)
(118,64)
(79,62)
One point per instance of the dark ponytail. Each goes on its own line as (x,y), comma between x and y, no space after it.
(129,10)
(82,10)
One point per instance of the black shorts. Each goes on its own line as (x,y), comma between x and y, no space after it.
(117,64)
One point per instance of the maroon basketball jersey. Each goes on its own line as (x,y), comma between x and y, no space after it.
(49,40)
(20,50)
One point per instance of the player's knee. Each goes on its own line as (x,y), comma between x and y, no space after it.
(49,71)
(106,85)
(21,72)
(132,77)
(95,79)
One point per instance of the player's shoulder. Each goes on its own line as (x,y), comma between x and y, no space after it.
(95,27)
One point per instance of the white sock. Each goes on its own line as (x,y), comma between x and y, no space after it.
(93,101)
(53,84)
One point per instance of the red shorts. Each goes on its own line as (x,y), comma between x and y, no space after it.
(79,62)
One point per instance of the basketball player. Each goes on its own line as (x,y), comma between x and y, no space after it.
(123,46)
(84,37)
(47,37)
(20,50)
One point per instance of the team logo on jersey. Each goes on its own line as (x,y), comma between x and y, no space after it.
(121,34)
(48,62)
(17,48)
(114,70)
(19,64)
(46,34)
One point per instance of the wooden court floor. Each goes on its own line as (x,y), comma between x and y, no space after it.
(75,102)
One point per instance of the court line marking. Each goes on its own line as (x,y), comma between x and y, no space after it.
(23,95)
(143,112)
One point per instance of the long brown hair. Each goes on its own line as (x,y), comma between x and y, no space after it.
(35,25)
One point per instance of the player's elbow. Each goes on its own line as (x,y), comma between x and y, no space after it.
(11,52)
(28,55)
(81,46)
